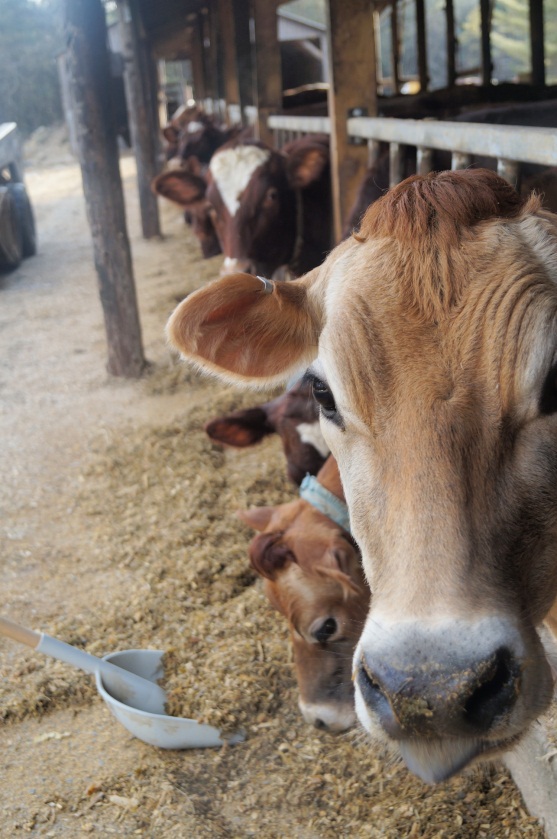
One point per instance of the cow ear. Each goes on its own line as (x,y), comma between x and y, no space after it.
(306,165)
(240,429)
(170,134)
(244,330)
(256,517)
(180,186)
(268,555)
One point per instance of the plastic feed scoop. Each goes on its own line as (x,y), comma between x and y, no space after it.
(126,687)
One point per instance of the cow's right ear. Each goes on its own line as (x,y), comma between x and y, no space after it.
(180,186)
(256,517)
(243,329)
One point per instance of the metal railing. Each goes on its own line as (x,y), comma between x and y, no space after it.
(287,128)
(509,145)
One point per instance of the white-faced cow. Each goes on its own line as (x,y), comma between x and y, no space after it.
(432,345)
(271,210)
(312,575)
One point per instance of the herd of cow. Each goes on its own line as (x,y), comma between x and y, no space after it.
(425,353)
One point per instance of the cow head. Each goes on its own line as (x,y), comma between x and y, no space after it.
(432,340)
(312,576)
(186,187)
(257,197)
(293,416)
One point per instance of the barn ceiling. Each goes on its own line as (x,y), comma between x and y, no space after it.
(167,24)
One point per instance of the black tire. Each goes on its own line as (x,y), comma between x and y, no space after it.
(26,218)
(11,237)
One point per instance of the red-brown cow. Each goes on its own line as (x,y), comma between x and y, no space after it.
(293,416)
(272,209)
(312,575)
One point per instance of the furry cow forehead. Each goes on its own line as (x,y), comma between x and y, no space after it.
(232,170)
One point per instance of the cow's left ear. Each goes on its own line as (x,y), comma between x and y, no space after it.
(305,165)
(243,329)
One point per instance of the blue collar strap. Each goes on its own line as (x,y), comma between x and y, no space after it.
(324,501)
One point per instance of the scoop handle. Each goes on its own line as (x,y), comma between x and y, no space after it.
(129,688)
(19,633)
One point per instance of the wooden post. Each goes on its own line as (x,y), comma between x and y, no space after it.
(537,44)
(86,38)
(485,15)
(212,59)
(421,44)
(197,64)
(268,73)
(451,44)
(243,55)
(395,47)
(226,43)
(353,84)
(138,83)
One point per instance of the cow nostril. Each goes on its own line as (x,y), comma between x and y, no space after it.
(319,723)
(376,700)
(496,690)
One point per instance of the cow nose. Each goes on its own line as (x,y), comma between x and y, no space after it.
(435,700)
(232,265)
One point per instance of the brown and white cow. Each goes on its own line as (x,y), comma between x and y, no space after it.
(312,575)
(432,345)
(272,210)
(294,416)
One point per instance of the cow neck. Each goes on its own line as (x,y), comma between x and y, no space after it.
(299,240)
(319,496)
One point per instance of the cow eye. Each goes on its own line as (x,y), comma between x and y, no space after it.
(548,398)
(271,197)
(325,631)
(324,397)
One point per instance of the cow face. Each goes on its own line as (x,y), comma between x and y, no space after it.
(258,199)
(293,416)
(312,576)
(432,344)
(187,189)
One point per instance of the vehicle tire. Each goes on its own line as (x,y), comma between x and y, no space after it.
(26,218)
(11,237)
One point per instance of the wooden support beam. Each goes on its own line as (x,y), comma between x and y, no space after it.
(537,42)
(138,80)
(353,84)
(213,58)
(197,62)
(451,43)
(268,74)
(227,46)
(89,81)
(395,47)
(485,19)
(244,60)
(421,45)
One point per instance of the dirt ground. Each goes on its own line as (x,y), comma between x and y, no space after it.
(117,530)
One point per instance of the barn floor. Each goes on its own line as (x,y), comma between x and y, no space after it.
(117,530)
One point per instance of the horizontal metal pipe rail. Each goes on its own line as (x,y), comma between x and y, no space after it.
(285,128)
(509,145)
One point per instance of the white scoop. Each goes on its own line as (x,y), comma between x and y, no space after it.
(130,690)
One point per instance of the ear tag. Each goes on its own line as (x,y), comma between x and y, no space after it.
(268,286)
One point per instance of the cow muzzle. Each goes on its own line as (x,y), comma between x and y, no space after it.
(450,694)
(327,716)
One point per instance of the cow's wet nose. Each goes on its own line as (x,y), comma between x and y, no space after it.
(433,700)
